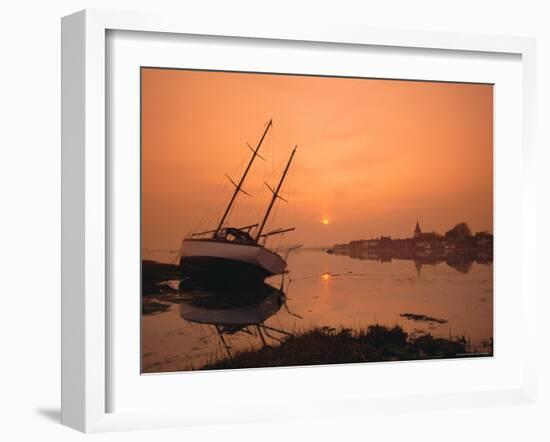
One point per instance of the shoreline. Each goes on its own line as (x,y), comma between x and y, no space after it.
(326,346)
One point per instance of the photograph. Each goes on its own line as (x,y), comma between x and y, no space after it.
(302,220)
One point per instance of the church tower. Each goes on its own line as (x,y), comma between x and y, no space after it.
(417,231)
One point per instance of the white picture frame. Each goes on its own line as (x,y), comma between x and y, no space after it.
(85,206)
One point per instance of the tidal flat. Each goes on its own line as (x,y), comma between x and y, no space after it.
(329,310)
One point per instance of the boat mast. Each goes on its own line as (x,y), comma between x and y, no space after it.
(238,186)
(275,195)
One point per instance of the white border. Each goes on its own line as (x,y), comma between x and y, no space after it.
(83,199)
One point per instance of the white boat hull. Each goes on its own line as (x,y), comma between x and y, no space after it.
(226,262)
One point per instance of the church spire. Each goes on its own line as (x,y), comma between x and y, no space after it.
(417,230)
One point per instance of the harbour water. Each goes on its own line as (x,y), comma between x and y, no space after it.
(324,290)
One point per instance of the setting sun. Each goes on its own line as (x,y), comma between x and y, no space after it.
(325,221)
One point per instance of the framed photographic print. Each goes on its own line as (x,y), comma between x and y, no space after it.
(333,211)
(333,285)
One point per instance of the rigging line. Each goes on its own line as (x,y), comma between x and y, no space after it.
(267,177)
(250,166)
(259,203)
(277,141)
(270,221)
(225,186)
(250,206)
(213,201)
(272,162)
(210,208)
(280,241)
(279,215)
(286,212)
(275,219)
(279,320)
(254,205)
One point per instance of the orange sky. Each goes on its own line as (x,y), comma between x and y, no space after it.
(373,155)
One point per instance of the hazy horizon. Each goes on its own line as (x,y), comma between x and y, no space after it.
(374,156)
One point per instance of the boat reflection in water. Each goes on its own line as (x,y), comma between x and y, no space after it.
(235,310)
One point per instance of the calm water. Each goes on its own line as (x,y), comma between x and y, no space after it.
(326,290)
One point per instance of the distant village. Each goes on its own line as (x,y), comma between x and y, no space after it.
(458,244)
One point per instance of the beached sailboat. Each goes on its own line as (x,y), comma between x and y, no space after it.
(235,255)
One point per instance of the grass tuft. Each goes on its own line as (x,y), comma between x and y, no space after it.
(327,345)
